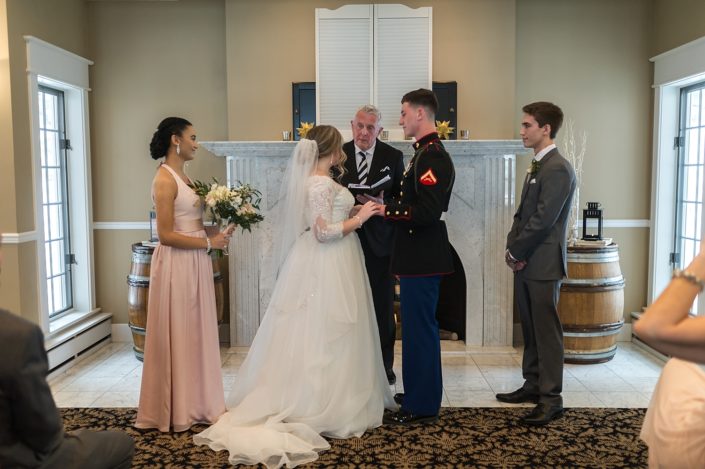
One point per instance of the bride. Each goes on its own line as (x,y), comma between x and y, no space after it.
(314,367)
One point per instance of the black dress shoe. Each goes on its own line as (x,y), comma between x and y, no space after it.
(404,417)
(391,377)
(517,397)
(542,414)
(399,398)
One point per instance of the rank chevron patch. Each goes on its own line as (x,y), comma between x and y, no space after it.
(428,178)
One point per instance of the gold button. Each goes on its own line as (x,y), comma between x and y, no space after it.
(397,212)
(401,194)
(401,183)
(388,212)
(405,212)
(411,231)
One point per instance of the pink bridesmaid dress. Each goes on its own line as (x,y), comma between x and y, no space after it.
(181,379)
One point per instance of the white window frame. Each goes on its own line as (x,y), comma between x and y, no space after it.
(673,70)
(57,68)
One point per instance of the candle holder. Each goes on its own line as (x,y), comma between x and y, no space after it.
(592,212)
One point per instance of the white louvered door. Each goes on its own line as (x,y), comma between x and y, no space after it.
(370,54)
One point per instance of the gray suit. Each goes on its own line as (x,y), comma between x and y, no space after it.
(538,236)
(31,431)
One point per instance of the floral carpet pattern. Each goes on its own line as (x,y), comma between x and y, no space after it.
(463,437)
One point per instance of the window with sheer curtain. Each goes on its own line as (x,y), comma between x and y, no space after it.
(370,54)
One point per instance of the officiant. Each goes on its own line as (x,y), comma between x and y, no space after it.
(375,169)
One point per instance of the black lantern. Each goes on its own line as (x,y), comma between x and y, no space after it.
(593,211)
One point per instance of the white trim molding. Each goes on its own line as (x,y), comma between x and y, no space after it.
(48,60)
(617,223)
(52,66)
(19,238)
(121,225)
(144,225)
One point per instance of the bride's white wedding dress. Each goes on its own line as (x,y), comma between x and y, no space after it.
(315,366)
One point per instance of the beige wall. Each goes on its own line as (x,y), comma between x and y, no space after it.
(152,60)
(8,210)
(9,278)
(676,22)
(271,44)
(61,23)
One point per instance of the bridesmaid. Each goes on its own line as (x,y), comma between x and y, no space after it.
(181,380)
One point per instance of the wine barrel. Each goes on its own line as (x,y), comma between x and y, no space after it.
(591,306)
(138,294)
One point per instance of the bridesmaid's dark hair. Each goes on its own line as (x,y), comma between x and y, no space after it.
(162,136)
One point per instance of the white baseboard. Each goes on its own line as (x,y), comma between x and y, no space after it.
(71,363)
(77,339)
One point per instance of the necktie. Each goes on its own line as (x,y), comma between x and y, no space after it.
(362,168)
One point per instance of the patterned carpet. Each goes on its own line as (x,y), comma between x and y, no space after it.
(463,437)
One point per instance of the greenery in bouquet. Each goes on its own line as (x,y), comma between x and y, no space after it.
(238,204)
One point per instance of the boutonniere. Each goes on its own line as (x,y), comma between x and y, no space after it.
(386,168)
(534,168)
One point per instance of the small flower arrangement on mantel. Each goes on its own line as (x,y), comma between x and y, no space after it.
(303,130)
(444,129)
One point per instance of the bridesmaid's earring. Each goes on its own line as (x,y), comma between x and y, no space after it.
(178,149)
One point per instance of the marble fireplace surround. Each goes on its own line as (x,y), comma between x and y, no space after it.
(479,217)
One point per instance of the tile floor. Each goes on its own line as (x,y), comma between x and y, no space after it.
(111,376)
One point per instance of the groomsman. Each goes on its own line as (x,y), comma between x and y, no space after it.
(369,162)
(536,252)
(421,255)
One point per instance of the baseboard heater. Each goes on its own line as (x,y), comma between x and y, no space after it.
(78,339)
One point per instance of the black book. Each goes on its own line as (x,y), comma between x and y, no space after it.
(367,189)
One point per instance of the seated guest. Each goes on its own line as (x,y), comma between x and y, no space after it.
(31,431)
(674,426)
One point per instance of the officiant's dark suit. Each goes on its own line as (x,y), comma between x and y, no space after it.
(376,238)
(536,250)
(31,430)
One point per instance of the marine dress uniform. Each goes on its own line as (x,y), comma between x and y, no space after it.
(421,255)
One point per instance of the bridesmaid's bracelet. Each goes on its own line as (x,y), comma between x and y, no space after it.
(359,221)
(209,248)
(690,277)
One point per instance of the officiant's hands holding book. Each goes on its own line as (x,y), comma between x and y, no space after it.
(364,198)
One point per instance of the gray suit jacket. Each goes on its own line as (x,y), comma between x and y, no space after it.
(30,426)
(31,430)
(538,234)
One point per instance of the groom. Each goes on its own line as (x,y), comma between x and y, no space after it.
(370,161)
(421,255)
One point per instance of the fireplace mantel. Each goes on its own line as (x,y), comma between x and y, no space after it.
(479,217)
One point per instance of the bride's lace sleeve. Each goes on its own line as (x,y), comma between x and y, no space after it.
(320,197)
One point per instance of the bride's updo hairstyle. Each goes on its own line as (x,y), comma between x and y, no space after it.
(329,141)
(162,136)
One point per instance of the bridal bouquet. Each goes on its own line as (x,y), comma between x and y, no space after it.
(238,204)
